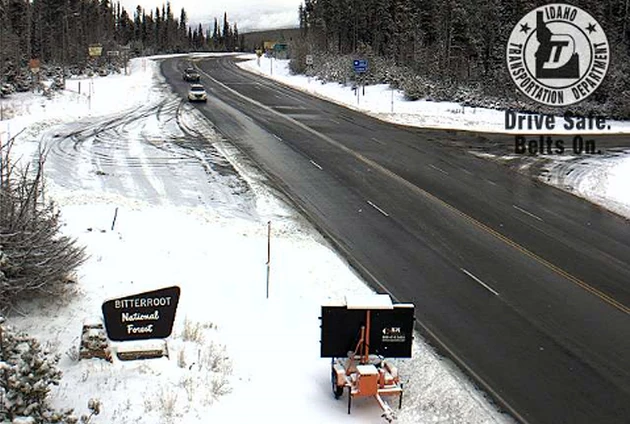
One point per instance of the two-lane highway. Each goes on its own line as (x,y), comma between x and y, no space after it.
(525,286)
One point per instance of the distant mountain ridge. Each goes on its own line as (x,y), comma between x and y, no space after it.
(257,38)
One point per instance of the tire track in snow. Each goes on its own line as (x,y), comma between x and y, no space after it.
(160,152)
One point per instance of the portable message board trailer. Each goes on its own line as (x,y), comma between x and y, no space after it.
(357,336)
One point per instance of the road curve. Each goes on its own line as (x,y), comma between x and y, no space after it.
(524,285)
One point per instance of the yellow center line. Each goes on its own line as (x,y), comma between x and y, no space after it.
(606,298)
(603,296)
(546,263)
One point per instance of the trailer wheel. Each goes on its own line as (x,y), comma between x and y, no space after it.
(337,390)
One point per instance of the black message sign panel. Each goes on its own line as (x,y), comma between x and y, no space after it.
(341,330)
(142,316)
(391,331)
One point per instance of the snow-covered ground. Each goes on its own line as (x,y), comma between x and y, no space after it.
(389,105)
(602,180)
(196,218)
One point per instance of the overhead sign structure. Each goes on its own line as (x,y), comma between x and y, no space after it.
(360,66)
(142,316)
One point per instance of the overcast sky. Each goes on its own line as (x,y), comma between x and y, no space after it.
(249,15)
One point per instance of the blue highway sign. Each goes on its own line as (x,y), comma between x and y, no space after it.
(360,66)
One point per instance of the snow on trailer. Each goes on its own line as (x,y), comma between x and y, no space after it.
(357,336)
(370,301)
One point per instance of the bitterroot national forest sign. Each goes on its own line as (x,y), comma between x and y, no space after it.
(148,315)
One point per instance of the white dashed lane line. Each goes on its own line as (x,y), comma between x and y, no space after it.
(439,169)
(487,287)
(377,208)
(527,213)
(316,165)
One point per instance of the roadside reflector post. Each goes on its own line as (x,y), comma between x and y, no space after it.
(268,254)
(392,99)
(115,216)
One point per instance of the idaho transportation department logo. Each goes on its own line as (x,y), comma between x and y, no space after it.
(558,55)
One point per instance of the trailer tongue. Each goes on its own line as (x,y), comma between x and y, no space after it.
(356,337)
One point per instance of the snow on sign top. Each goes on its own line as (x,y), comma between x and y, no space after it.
(373,301)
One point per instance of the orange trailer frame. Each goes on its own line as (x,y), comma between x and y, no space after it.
(366,378)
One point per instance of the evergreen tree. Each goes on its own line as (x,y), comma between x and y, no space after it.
(454,42)
(27,373)
(182,41)
(216,36)
(235,38)
(226,34)
(157,30)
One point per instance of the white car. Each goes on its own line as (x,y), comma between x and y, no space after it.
(197,93)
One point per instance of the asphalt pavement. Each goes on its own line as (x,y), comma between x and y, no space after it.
(523,285)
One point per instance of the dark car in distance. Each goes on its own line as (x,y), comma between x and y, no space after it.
(191,75)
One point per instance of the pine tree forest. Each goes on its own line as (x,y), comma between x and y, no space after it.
(59,32)
(453,49)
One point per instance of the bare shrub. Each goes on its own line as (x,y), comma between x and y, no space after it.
(189,383)
(193,331)
(94,405)
(148,404)
(219,385)
(73,354)
(163,402)
(167,404)
(181,359)
(85,375)
(34,257)
(216,359)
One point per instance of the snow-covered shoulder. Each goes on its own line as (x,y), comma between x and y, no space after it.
(142,194)
(390,105)
(601,180)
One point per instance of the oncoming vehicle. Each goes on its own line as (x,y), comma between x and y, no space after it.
(197,93)
(190,74)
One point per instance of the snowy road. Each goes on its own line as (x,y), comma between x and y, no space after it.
(187,218)
(495,262)
(165,155)
(161,153)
